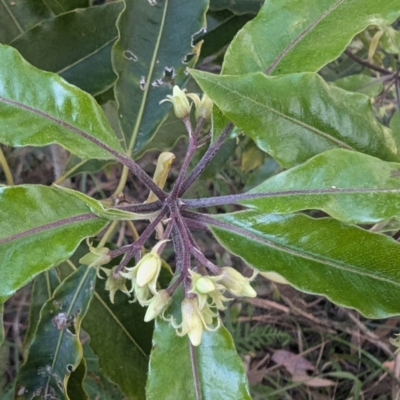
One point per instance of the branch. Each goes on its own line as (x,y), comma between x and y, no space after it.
(208,156)
(367,64)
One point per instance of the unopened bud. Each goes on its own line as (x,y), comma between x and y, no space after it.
(179,101)
(115,283)
(204,285)
(192,324)
(148,269)
(158,304)
(236,283)
(205,107)
(275,277)
(96,257)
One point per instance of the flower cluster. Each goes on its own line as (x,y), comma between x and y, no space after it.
(179,100)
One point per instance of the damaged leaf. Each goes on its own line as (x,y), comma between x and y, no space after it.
(152,55)
(56,351)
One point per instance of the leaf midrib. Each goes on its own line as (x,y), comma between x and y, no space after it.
(148,80)
(287,117)
(256,235)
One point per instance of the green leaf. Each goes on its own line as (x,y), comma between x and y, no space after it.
(350,266)
(1,323)
(16,17)
(360,83)
(62,6)
(121,339)
(222,26)
(109,213)
(151,55)
(75,388)
(237,6)
(56,350)
(76,45)
(220,371)
(349,186)
(297,116)
(39,108)
(40,227)
(43,288)
(292,35)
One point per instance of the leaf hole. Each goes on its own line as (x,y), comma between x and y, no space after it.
(70,368)
(168,78)
(142,83)
(130,56)
(152,2)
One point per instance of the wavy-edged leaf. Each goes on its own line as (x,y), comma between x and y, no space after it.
(63,6)
(292,35)
(121,339)
(40,227)
(76,45)
(109,213)
(1,323)
(18,16)
(220,372)
(151,55)
(75,389)
(237,6)
(350,266)
(361,83)
(297,116)
(349,186)
(39,108)
(43,288)
(56,350)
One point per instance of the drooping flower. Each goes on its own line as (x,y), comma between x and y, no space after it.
(179,101)
(204,106)
(195,320)
(236,283)
(96,257)
(208,290)
(158,304)
(114,283)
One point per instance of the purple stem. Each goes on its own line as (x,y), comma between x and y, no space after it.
(367,64)
(203,260)
(141,208)
(208,156)
(236,198)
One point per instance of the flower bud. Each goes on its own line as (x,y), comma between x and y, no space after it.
(192,324)
(204,109)
(148,269)
(236,283)
(179,101)
(158,304)
(204,285)
(97,256)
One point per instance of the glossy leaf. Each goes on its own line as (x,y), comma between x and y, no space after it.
(56,350)
(40,227)
(237,6)
(220,371)
(109,213)
(43,288)
(350,266)
(121,339)
(1,323)
(39,108)
(16,17)
(349,186)
(151,55)
(76,45)
(293,36)
(75,389)
(297,116)
(360,83)
(63,6)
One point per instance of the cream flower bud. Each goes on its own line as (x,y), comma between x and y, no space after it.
(192,323)
(97,256)
(204,106)
(275,277)
(236,283)
(158,304)
(179,101)
(204,285)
